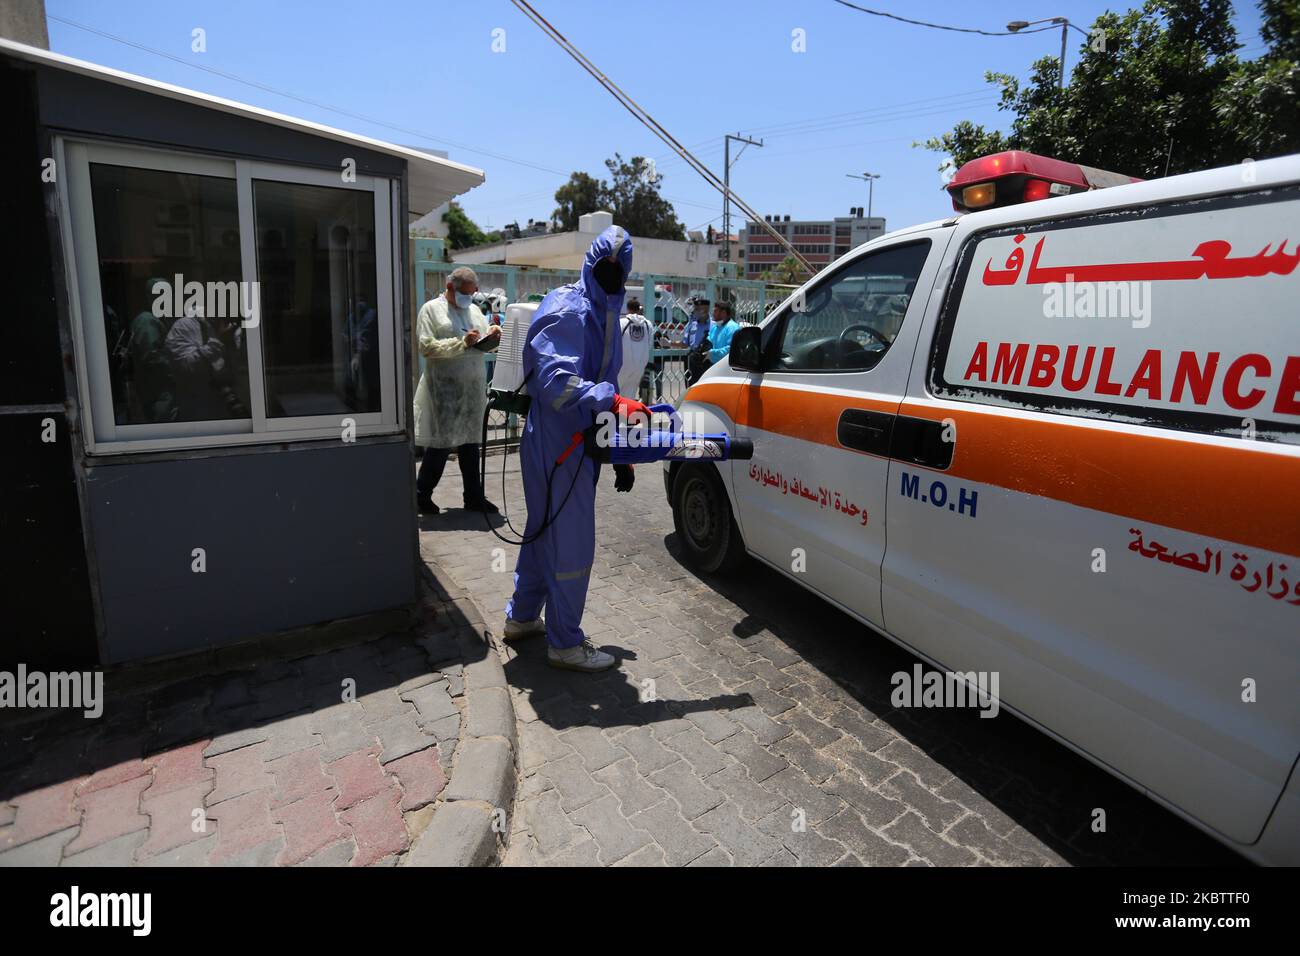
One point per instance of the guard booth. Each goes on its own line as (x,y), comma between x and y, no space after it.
(204,394)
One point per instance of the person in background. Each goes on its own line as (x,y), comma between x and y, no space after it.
(149,383)
(696,340)
(724,327)
(638,338)
(361,333)
(203,355)
(452,393)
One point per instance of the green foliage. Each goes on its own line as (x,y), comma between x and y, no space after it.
(580,195)
(632,195)
(462,231)
(1154,89)
(788,272)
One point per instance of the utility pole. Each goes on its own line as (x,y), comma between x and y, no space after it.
(871,192)
(726,181)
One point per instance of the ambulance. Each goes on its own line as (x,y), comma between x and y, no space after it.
(1055,437)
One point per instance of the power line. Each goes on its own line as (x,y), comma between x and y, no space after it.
(652,124)
(302,99)
(938,26)
(778,129)
(958,101)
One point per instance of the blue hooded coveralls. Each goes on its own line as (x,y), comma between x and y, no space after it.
(572,356)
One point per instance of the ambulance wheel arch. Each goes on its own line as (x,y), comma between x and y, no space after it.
(704,417)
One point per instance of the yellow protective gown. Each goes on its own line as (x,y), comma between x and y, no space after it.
(452,393)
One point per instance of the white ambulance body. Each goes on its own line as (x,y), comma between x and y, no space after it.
(1067,452)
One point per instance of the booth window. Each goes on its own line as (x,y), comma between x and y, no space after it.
(171,357)
(228,301)
(316,264)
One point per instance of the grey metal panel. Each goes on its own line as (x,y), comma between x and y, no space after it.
(78,103)
(293,538)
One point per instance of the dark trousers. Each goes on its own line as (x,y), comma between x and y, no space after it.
(435,460)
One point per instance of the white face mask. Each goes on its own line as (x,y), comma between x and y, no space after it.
(463,301)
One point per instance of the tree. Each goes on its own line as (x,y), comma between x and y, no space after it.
(1157,90)
(788,272)
(1261,100)
(635,200)
(462,231)
(580,195)
(632,196)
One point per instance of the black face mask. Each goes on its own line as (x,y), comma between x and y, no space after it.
(609,276)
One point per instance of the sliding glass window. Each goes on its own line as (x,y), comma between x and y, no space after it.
(317,267)
(226,301)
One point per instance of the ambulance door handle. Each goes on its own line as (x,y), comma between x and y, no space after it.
(865,431)
(922,441)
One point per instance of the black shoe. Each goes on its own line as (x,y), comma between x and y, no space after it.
(427,507)
(482,505)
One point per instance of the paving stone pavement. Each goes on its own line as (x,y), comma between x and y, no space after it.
(259,765)
(749,724)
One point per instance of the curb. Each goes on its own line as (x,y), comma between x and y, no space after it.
(471,818)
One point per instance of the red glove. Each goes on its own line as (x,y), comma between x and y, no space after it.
(625,408)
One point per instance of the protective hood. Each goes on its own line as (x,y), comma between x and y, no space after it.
(613,241)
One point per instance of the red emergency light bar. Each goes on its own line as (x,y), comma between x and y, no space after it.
(1005,179)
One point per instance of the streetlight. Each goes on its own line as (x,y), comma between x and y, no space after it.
(871,189)
(1015,26)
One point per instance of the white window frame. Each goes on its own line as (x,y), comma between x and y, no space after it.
(102,434)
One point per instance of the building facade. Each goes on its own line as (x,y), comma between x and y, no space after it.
(566,250)
(820,241)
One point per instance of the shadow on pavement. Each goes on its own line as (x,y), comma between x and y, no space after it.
(460,519)
(283,691)
(1040,784)
(565,699)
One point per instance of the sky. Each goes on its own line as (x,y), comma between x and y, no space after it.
(830,91)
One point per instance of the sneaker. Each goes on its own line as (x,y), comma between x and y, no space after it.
(583,658)
(482,505)
(518,630)
(427,507)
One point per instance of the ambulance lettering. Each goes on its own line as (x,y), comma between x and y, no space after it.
(1211,332)
(936,493)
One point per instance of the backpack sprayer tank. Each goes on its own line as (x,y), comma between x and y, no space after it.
(506,393)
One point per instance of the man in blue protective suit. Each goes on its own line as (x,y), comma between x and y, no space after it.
(572,356)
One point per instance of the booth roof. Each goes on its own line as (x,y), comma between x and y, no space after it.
(431,180)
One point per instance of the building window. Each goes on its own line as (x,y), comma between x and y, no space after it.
(227,301)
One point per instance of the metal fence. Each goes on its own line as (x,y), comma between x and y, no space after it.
(667,301)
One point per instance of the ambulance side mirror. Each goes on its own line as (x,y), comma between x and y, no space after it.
(747,349)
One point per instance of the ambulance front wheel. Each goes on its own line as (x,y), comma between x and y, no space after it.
(702,516)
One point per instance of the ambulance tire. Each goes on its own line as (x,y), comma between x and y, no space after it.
(709,536)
